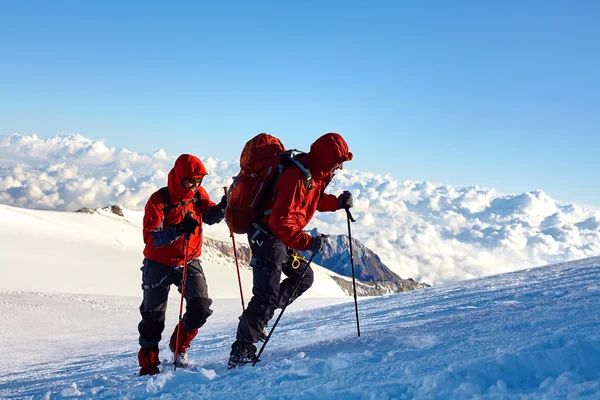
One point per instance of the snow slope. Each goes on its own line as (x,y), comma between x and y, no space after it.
(523,335)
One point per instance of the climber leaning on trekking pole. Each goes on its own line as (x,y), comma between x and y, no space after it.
(298,194)
(172,230)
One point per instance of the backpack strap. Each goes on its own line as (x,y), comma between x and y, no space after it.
(291,160)
(305,171)
(196,199)
(168,206)
(166,199)
(287,159)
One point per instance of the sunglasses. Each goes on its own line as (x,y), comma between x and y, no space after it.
(193,182)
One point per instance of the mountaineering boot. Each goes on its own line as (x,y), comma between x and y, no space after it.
(182,360)
(149,362)
(241,353)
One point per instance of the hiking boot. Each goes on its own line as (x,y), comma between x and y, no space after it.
(149,362)
(241,353)
(182,360)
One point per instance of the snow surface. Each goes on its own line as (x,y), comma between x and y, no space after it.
(522,335)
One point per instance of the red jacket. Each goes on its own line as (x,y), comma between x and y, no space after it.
(163,243)
(294,205)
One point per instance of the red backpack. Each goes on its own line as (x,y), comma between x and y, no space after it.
(262,160)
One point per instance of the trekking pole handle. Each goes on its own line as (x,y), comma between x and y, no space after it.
(349,215)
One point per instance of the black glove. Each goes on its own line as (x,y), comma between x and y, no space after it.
(318,243)
(345,200)
(223,203)
(188,225)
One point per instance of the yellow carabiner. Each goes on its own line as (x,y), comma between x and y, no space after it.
(296,261)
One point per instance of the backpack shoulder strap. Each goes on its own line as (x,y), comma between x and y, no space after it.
(164,195)
(166,199)
(288,160)
(305,171)
(196,199)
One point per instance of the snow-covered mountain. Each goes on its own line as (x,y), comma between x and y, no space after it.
(432,232)
(374,277)
(531,334)
(367,265)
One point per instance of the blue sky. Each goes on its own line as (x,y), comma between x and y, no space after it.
(501,94)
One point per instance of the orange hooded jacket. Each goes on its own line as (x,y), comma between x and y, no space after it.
(163,243)
(295,205)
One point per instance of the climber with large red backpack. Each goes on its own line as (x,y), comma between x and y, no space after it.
(172,229)
(272,199)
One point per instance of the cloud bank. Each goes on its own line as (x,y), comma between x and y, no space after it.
(434,233)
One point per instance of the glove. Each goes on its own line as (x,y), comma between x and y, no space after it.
(318,243)
(188,225)
(345,200)
(223,203)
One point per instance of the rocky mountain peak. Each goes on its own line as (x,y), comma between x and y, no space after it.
(368,267)
(114,209)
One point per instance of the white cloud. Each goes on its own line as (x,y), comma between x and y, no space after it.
(435,233)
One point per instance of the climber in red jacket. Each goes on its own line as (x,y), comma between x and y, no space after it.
(297,195)
(173,218)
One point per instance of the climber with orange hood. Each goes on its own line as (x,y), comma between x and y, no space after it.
(296,196)
(172,231)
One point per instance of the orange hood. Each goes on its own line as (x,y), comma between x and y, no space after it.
(327,151)
(186,166)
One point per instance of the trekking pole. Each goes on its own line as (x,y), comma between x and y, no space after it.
(184,250)
(284,307)
(237,265)
(349,218)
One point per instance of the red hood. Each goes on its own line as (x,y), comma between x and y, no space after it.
(186,166)
(325,152)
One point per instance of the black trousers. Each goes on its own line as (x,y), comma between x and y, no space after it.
(270,258)
(154,304)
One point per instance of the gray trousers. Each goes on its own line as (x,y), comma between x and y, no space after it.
(154,304)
